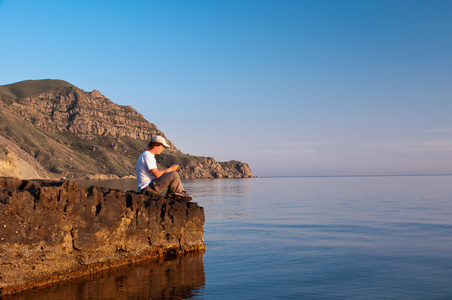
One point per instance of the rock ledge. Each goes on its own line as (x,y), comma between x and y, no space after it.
(57,230)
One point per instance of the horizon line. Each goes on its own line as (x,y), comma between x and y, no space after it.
(366,175)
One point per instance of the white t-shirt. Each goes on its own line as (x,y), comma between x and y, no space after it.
(145,163)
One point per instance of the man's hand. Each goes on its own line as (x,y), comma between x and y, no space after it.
(174,168)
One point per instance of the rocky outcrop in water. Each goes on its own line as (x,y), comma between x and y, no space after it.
(209,168)
(56,230)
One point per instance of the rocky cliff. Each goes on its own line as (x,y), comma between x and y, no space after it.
(67,132)
(52,231)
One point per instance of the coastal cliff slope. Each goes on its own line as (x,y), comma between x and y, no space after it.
(51,129)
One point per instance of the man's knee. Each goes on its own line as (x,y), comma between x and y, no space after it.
(173,174)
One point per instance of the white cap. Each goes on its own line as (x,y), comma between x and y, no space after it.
(161,140)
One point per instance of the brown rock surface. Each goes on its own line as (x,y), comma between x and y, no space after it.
(52,231)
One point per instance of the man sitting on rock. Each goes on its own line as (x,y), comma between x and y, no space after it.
(155,181)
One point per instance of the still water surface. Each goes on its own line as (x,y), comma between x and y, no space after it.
(298,238)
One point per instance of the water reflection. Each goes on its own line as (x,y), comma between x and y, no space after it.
(326,238)
(181,278)
(222,199)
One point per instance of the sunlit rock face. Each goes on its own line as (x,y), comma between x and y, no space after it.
(56,230)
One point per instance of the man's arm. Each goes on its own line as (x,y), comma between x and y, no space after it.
(157,173)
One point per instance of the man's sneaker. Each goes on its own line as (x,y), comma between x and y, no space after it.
(182,195)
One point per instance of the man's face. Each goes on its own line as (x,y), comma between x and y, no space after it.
(160,149)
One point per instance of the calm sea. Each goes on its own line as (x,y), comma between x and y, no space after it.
(387,237)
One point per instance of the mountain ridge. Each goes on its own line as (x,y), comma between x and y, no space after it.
(76,134)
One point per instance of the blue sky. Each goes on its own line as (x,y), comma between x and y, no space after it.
(291,87)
